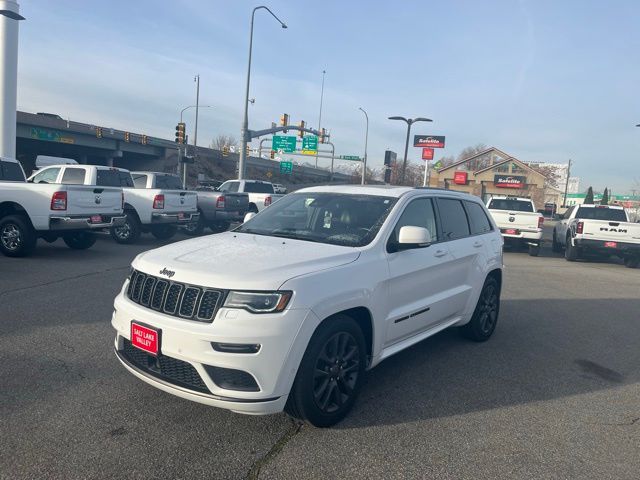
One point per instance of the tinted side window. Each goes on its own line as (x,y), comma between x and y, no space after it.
(47,176)
(170,182)
(107,178)
(258,187)
(419,213)
(73,176)
(126,180)
(453,218)
(140,181)
(477,218)
(11,172)
(229,187)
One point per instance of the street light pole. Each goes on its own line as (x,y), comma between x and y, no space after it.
(195,134)
(366,141)
(244,132)
(320,116)
(409,122)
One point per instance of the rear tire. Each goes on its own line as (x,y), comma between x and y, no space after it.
(17,236)
(195,228)
(79,240)
(252,208)
(485,316)
(219,227)
(330,374)
(570,252)
(163,232)
(631,262)
(534,250)
(129,232)
(555,245)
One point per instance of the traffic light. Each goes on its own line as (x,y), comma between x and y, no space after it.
(127,137)
(98,132)
(180,128)
(225,151)
(273,154)
(301,132)
(323,134)
(284,121)
(144,139)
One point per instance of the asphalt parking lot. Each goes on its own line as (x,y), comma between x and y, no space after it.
(554,393)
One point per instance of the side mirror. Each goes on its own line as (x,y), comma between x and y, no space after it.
(413,237)
(249,216)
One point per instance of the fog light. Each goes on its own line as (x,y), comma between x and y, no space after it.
(236,347)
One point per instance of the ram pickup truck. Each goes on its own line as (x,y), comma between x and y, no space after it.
(49,211)
(599,230)
(261,194)
(159,209)
(217,210)
(518,221)
(289,309)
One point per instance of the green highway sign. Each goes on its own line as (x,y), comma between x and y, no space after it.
(286,167)
(310,142)
(285,143)
(355,158)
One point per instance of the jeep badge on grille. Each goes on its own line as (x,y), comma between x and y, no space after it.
(168,273)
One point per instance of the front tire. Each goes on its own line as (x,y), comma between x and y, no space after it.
(163,232)
(79,240)
(534,250)
(631,262)
(129,232)
(330,374)
(570,251)
(17,237)
(555,245)
(485,316)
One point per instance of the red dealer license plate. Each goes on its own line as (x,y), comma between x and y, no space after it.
(96,218)
(181,216)
(511,231)
(611,244)
(145,338)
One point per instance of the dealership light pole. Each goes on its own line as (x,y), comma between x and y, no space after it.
(366,140)
(195,142)
(320,116)
(9,18)
(244,133)
(409,122)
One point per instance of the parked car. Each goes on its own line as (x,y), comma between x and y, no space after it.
(217,210)
(518,221)
(599,230)
(261,194)
(288,310)
(47,210)
(278,188)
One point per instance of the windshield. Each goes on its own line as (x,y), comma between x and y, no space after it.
(334,218)
(510,204)
(601,213)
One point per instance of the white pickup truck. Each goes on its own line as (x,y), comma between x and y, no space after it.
(158,209)
(597,229)
(518,221)
(261,194)
(51,211)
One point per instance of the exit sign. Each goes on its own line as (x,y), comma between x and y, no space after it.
(286,168)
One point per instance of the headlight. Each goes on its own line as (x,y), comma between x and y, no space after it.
(258,302)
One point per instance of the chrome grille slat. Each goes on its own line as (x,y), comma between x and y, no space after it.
(177,299)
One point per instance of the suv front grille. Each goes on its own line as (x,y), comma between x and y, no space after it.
(173,298)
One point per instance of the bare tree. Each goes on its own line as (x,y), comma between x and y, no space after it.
(222,141)
(553,177)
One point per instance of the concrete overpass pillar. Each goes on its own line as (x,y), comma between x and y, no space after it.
(9,17)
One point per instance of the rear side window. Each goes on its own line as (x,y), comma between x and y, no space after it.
(512,205)
(419,213)
(230,187)
(73,176)
(140,181)
(453,219)
(125,179)
(478,220)
(601,213)
(108,178)
(11,172)
(255,187)
(48,175)
(170,182)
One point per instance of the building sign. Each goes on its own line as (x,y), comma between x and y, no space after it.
(460,178)
(509,181)
(432,141)
(427,153)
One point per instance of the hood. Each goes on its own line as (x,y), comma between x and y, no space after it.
(242,261)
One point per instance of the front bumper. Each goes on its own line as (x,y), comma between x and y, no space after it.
(621,248)
(83,222)
(180,218)
(273,367)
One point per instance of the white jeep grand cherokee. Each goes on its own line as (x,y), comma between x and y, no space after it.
(289,310)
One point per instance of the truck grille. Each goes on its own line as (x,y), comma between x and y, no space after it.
(173,298)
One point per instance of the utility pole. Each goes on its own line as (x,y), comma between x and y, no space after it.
(366,141)
(9,18)
(566,187)
(320,116)
(195,133)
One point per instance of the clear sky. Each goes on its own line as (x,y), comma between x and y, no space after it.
(542,80)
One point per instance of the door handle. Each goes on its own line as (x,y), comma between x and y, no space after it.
(440,253)
(477,243)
